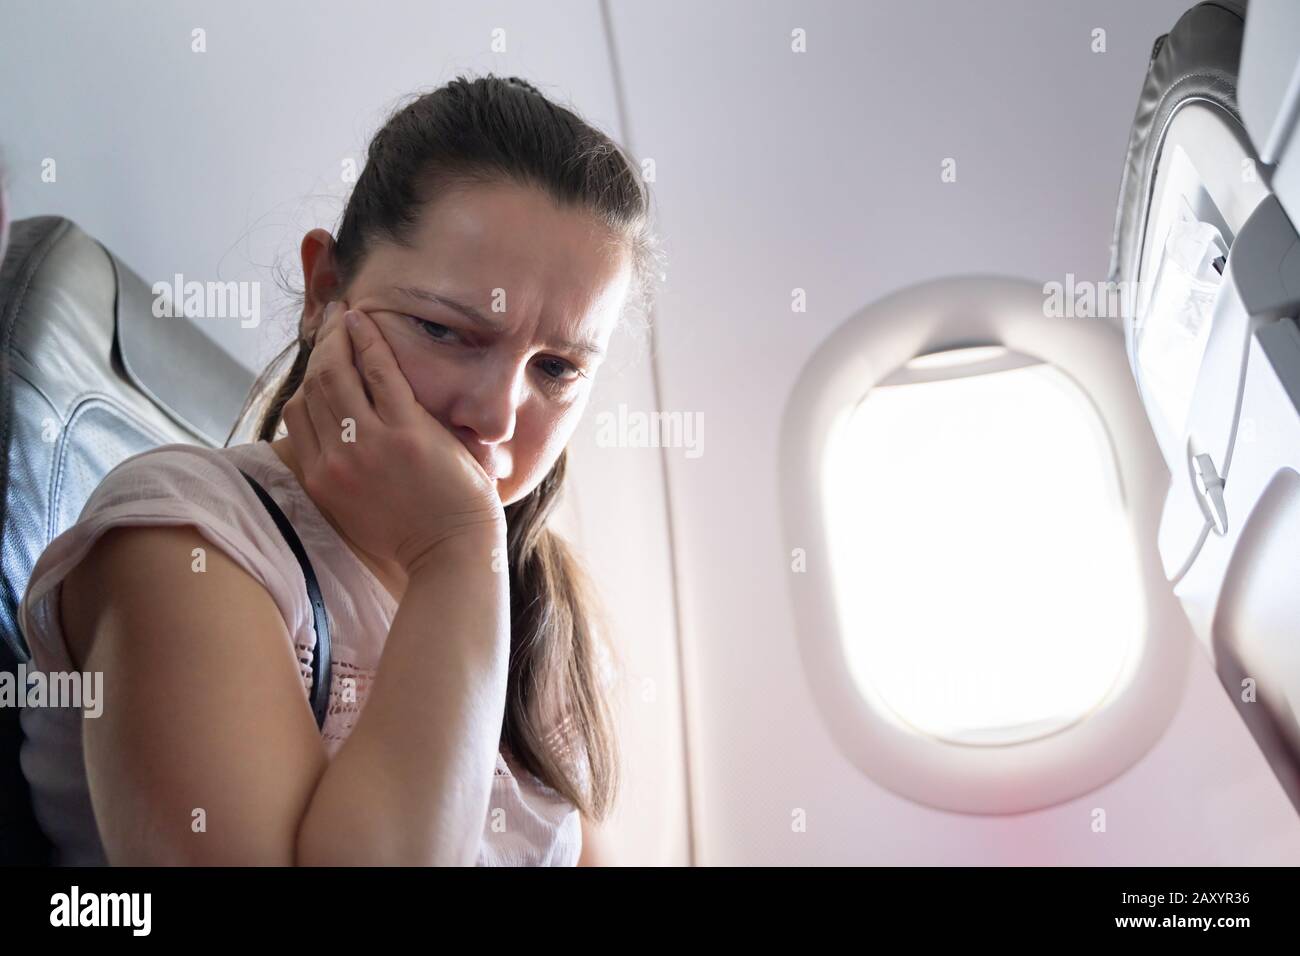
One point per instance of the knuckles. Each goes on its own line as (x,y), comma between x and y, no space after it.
(336,473)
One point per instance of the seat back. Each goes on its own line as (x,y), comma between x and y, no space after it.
(1206,227)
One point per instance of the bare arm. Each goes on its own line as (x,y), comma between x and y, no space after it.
(412,782)
(206,752)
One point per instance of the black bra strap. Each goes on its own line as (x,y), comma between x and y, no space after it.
(320,664)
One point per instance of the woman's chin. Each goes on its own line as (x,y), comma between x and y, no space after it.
(509,492)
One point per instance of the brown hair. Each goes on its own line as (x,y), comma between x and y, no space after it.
(559,720)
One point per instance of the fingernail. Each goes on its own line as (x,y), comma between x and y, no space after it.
(353,320)
(330,309)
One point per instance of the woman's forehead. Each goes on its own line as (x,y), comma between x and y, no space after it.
(514,250)
(515,233)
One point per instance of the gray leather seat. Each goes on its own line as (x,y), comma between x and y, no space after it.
(89,377)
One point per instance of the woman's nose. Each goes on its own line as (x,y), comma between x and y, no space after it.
(489,407)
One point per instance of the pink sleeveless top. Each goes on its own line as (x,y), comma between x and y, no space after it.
(194,485)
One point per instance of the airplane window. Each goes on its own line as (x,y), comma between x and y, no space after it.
(985,579)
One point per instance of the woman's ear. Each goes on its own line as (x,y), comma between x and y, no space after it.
(320,279)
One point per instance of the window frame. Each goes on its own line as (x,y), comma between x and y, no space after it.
(936,316)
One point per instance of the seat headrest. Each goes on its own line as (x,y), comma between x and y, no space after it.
(183,372)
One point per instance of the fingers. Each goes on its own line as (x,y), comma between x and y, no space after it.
(318,383)
(340,382)
(389,389)
(298,423)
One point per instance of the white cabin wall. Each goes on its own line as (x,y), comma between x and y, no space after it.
(821,171)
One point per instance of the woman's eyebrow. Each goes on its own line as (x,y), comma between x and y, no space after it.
(425,295)
(472,314)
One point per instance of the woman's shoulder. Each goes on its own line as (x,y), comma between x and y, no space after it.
(189,480)
(196,485)
(175,467)
(168,485)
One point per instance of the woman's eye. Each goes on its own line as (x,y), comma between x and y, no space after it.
(558,372)
(557,368)
(439,333)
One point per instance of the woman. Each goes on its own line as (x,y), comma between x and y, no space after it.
(491,245)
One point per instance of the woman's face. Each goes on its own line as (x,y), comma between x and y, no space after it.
(547,286)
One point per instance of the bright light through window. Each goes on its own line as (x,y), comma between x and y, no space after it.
(986,582)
